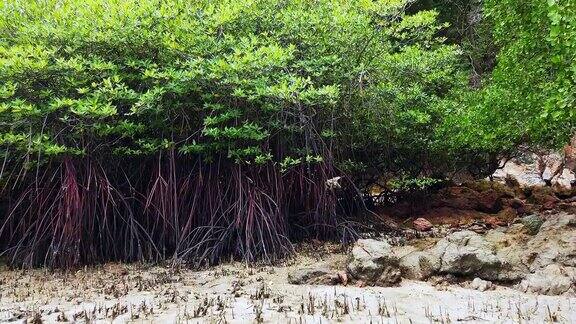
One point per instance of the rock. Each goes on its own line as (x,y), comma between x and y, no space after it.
(497,237)
(422,224)
(544,196)
(403,250)
(532,223)
(453,217)
(502,189)
(343,277)
(374,263)
(419,265)
(521,253)
(484,197)
(494,222)
(509,249)
(480,284)
(563,192)
(320,275)
(467,253)
(552,280)
(390,276)
(491,195)
(507,215)
(490,201)
(548,205)
(477,227)
(514,203)
(511,182)
(461,198)
(516,229)
(554,243)
(568,207)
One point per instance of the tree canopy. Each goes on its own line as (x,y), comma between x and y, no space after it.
(207,128)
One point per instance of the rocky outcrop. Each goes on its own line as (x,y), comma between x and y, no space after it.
(543,196)
(461,198)
(551,280)
(554,243)
(550,253)
(490,201)
(536,254)
(487,197)
(374,263)
(467,253)
(506,241)
(419,265)
(317,275)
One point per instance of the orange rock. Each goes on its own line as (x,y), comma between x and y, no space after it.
(490,201)
(494,222)
(507,214)
(422,224)
(549,205)
(343,277)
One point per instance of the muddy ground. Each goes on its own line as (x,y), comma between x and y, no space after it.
(235,293)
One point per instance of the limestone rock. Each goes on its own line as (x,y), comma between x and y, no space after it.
(552,280)
(320,275)
(554,243)
(374,262)
(419,265)
(509,244)
(521,254)
(481,285)
(517,229)
(403,250)
(467,253)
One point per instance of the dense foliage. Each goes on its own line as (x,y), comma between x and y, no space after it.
(143,129)
(537,67)
(148,129)
(530,98)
